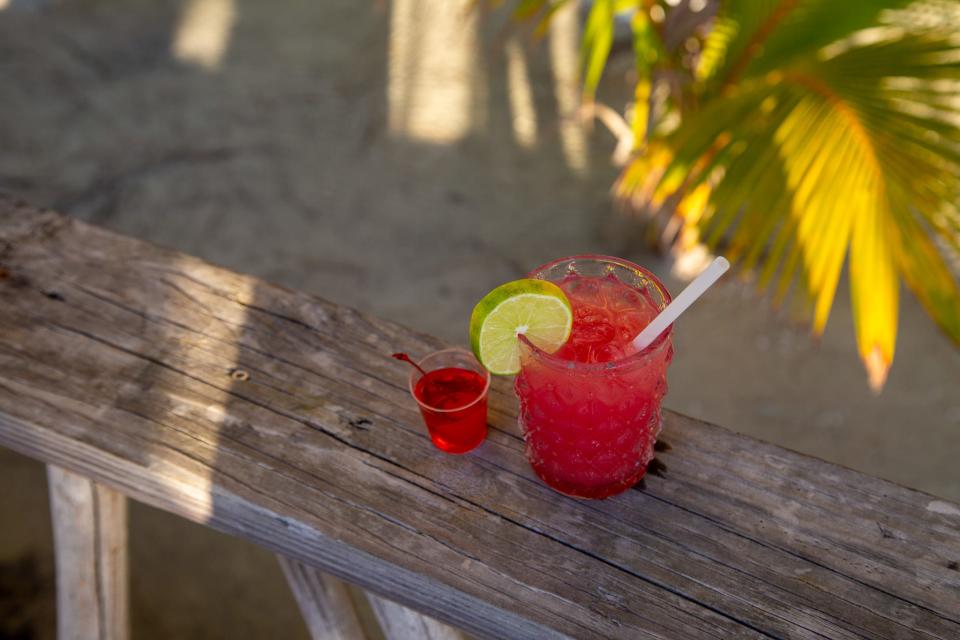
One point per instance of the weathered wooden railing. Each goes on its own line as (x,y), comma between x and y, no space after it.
(278,417)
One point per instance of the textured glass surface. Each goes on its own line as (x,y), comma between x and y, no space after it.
(590,428)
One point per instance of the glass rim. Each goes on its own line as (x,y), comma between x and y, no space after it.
(411,383)
(639,357)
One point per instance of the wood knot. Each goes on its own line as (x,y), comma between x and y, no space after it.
(884,533)
(240,375)
(360,423)
(953,565)
(55,295)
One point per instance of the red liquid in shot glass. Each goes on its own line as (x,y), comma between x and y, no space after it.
(461,423)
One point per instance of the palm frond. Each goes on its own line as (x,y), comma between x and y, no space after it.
(647,50)
(916,140)
(806,27)
(753,37)
(814,135)
(739,24)
(595,45)
(851,157)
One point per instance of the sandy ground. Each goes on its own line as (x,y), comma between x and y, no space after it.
(386,156)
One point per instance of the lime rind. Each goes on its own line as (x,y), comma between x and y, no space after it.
(536,308)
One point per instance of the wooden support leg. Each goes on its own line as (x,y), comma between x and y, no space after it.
(324,602)
(90,541)
(400,623)
(329,614)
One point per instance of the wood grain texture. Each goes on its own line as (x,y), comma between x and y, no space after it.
(90,542)
(324,602)
(281,418)
(401,623)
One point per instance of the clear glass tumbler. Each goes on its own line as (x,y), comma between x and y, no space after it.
(590,427)
(452,398)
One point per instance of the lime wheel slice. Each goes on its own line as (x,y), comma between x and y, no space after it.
(536,309)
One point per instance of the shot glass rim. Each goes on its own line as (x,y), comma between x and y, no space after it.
(411,382)
(633,359)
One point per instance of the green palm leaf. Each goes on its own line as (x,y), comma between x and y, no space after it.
(597,40)
(756,36)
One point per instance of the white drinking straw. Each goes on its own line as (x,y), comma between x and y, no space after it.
(686,298)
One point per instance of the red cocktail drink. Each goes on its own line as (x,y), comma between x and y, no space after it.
(453,399)
(590,412)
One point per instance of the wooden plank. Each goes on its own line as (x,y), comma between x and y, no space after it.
(324,602)
(90,540)
(401,623)
(281,418)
